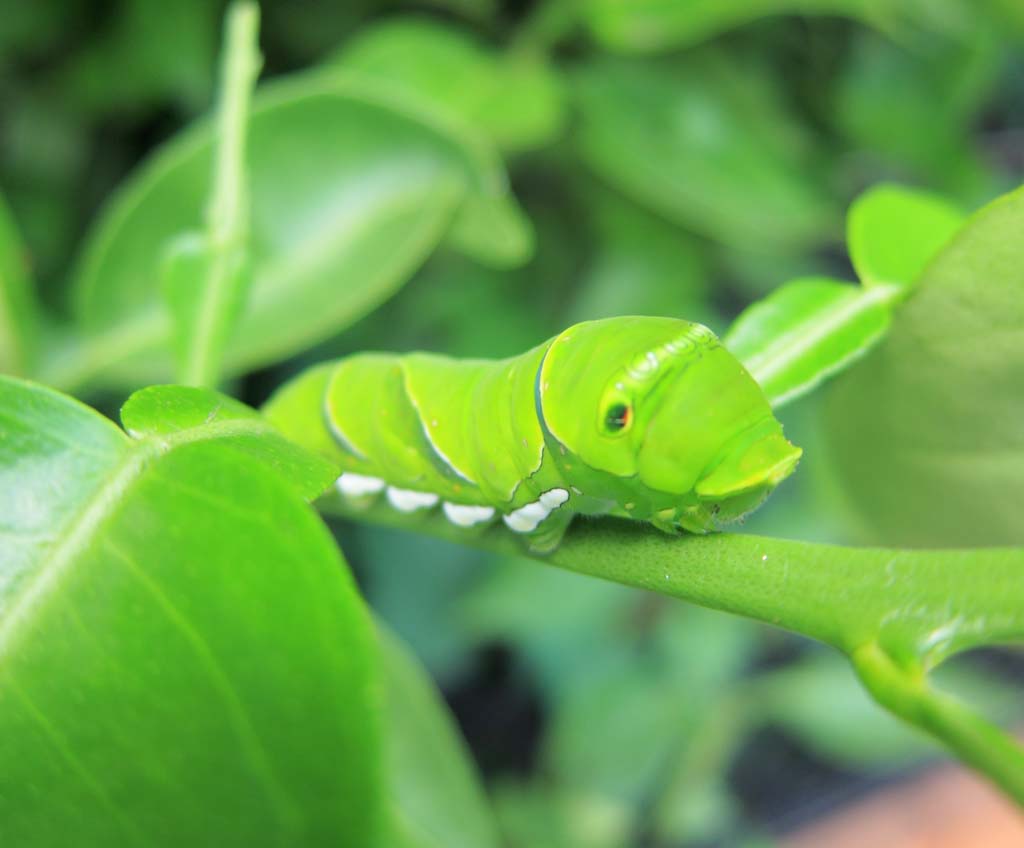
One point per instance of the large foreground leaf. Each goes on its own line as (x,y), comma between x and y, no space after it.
(350,191)
(927,431)
(183,658)
(436,797)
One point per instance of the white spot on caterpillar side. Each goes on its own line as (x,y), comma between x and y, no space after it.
(554,498)
(526,518)
(357,485)
(466,516)
(407,500)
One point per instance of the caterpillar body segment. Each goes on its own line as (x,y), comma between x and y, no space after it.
(645,418)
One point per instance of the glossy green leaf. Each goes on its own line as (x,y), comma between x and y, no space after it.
(183,658)
(350,191)
(646,25)
(514,97)
(436,797)
(807,330)
(705,144)
(163,412)
(927,431)
(18,319)
(893,232)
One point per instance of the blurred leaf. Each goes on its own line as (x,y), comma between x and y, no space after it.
(652,706)
(641,265)
(564,627)
(349,191)
(704,144)
(513,97)
(418,602)
(162,642)
(892,233)
(806,331)
(927,430)
(204,284)
(18,318)
(540,815)
(915,109)
(648,25)
(147,51)
(638,718)
(437,799)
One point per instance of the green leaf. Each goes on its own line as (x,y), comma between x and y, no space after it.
(169,49)
(513,97)
(914,109)
(18,319)
(647,25)
(641,265)
(805,331)
(808,330)
(161,412)
(436,795)
(892,233)
(703,143)
(350,191)
(184,659)
(205,286)
(927,431)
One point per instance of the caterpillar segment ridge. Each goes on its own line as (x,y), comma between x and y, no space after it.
(650,419)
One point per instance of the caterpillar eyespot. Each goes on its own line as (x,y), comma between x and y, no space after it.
(617,417)
(685,437)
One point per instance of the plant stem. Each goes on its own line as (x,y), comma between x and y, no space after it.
(887,609)
(906,692)
(227,215)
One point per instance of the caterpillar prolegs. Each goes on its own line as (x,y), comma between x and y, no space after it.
(645,418)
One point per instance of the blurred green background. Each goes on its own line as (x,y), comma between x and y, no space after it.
(672,158)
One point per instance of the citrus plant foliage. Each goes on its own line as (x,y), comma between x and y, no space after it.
(184,655)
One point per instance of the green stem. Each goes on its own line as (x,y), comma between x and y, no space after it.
(919,604)
(227,216)
(912,608)
(906,692)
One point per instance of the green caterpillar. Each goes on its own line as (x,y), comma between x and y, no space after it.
(646,418)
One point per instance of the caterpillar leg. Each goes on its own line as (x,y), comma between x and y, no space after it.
(544,520)
(549,533)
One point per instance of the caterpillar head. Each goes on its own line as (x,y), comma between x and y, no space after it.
(662,406)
